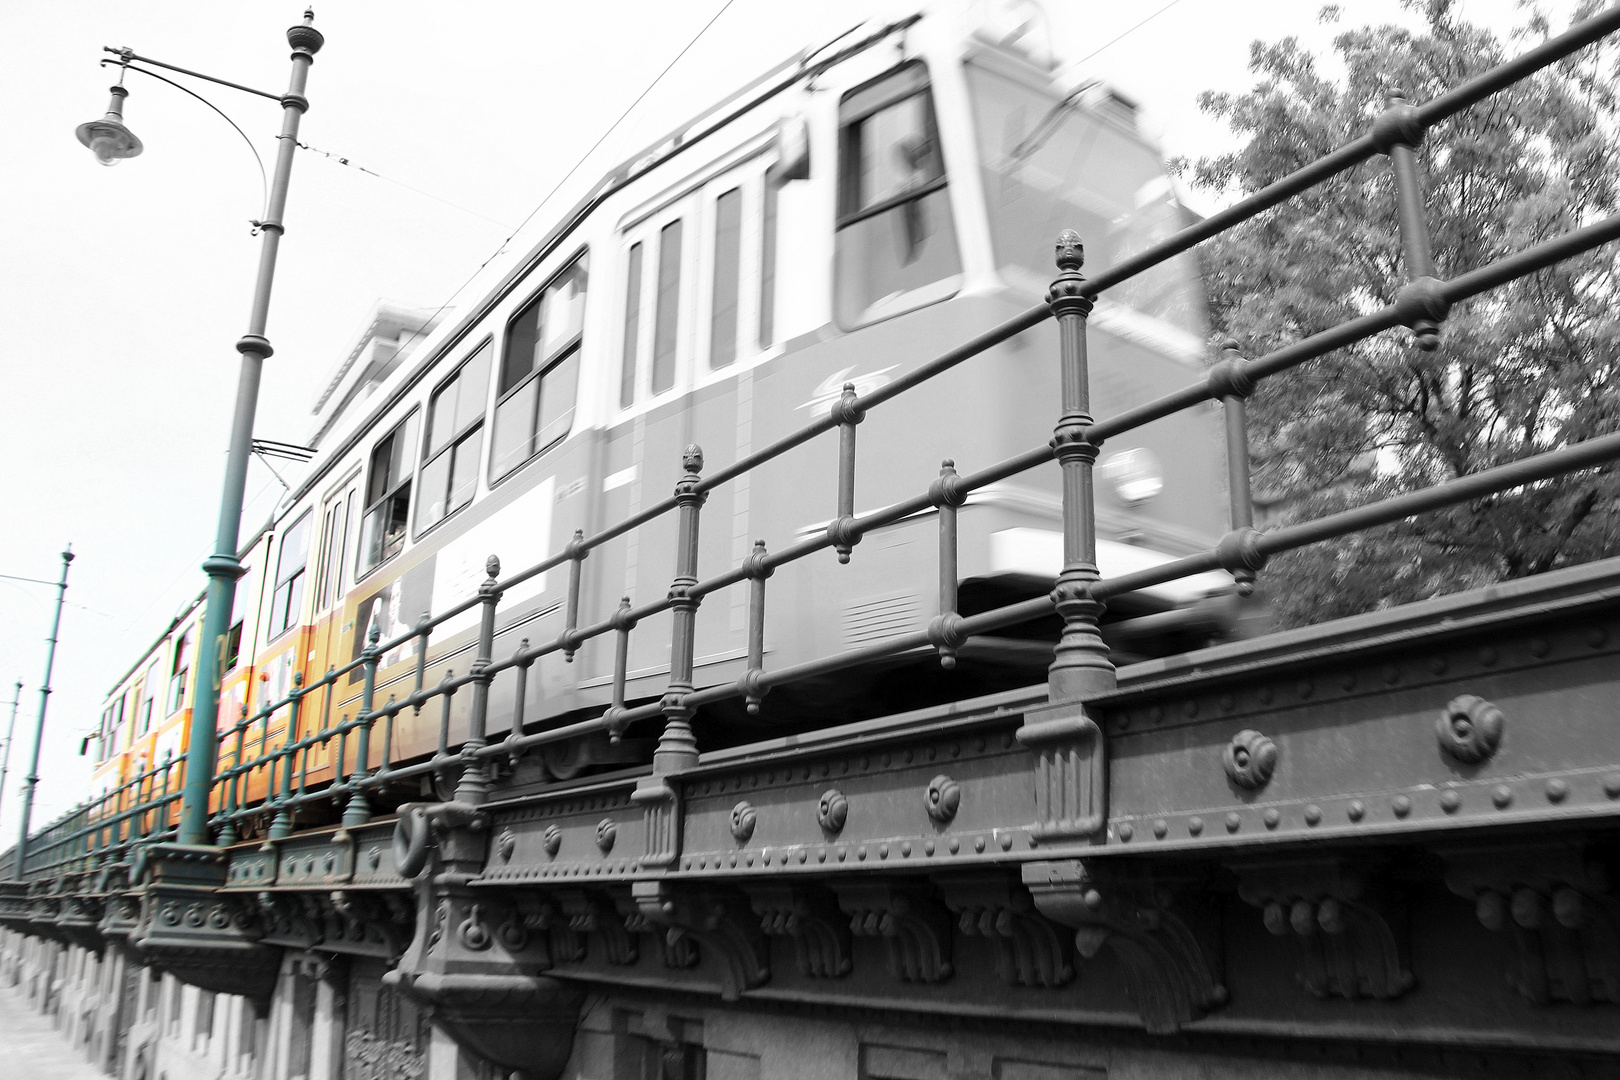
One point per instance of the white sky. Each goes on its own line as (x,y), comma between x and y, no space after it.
(123,290)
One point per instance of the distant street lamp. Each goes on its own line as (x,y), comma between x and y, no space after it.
(112,141)
(31,781)
(11,732)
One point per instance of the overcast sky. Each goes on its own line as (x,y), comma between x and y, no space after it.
(125,289)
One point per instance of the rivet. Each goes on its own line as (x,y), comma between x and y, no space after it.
(1597,637)
(1195,825)
(731,860)
(804,855)
(1348,680)
(1502,796)
(1006,841)
(905,849)
(1033,840)
(1160,827)
(866,763)
(1450,801)
(1265,695)
(956,750)
(1611,785)
(1126,831)
(826,769)
(765,856)
(1556,790)
(978,745)
(843,768)
(843,852)
(1488,655)
(860,852)
(1313,814)
(821,854)
(883,760)
(978,844)
(932,753)
(1233,822)
(1123,720)
(955,845)
(1401,805)
(1305,689)
(1271,817)
(1191,709)
(749,858)
(1356,810)
(883,851)
(1155,714)
(907,756)
(1392,674)
(1540,646)
(928,847)
(1228,703)
(1006,740)
(1437,665)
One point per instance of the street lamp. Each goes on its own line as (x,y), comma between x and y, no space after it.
(106,137)
(31,781)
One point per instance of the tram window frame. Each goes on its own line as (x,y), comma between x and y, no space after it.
(179,671)
(396,496)
(553,369)
(465,439)
(858,107)
(726,278)
(287,598)
(150,689)
(337,512)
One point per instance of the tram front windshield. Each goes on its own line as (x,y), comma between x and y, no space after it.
(1048,167)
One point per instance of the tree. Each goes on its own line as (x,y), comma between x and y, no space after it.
(1527,368)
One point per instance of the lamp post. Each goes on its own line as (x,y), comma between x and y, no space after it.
(31,781)
(104,138)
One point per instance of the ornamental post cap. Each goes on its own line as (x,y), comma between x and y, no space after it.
(692,458)
(1071,253)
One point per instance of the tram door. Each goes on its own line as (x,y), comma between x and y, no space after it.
(331,621)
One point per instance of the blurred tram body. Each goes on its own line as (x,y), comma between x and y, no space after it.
(860,210)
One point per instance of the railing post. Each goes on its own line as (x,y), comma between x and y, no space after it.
(677,748)
(357,811)
(282,827)
(1232,384)
(473,787)
(1398,132)
(1070,782)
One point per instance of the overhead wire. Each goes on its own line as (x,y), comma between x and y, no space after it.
(429,321)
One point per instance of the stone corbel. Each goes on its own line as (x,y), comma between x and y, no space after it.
(913,925)
(542,916)
(811,918)
(1349,933)
(1170,957)
(1030,950)
(78,917)
(1554,902)
(722,924)
(592,913)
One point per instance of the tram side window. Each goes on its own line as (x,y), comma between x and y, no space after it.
(455,440)
(667,316)
(178,670)
(539,378)
(149,693)
(896,243)
(388,496)
(767,268)
(632,327)
(727,273)
(287,600)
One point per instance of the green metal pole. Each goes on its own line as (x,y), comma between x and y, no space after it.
(31,781)
(222,566)
(11,732)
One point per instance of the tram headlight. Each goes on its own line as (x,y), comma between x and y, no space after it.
(1134,475)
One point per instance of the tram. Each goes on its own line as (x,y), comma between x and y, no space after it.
(859,210)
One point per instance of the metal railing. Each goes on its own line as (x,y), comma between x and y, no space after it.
(1081,666)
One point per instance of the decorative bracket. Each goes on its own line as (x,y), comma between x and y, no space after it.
(1555,903)
(1351,936)
(1030,950)
(811,917)
(914,926)
(1170,964)
(1071,781)
(589,913)
(721,922)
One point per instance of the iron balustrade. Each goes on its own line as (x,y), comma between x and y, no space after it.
(134,813)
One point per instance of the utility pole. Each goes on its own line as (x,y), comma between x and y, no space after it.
(31,781)
(11,731)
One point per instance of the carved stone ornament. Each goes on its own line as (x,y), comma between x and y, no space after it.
(1554,905)
(505,844)
(1250,759)
(1167,948)
(811,918)
(606,833)
(551,840)
(832,811)
(722,923)
(1470,729)
(915,927)
(1030,950)
(743,820)
(591,913)
(1350,935)
(942,799)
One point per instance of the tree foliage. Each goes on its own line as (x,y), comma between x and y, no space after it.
(1524,369)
